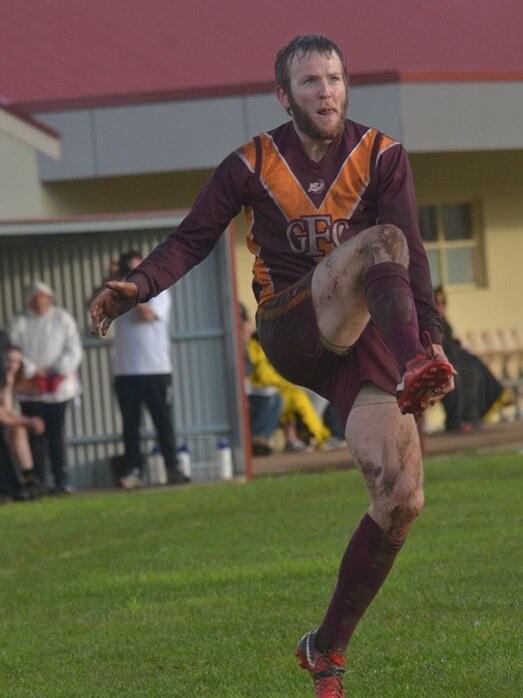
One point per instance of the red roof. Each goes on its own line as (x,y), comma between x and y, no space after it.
(59,53)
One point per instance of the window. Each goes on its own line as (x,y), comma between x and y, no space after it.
(453,243)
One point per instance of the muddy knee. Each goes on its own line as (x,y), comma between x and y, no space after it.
(402,511)
(384,243)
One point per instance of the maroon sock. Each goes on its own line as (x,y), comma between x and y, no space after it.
(364,567)
(392,309)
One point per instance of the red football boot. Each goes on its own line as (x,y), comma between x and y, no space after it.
(326,669)
(425,376)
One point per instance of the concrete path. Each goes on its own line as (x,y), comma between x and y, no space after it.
(505,436)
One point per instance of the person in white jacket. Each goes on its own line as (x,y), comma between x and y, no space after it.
(52,352)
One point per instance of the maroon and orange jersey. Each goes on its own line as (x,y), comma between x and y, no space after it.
(298,210)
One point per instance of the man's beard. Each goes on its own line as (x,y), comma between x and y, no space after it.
(307,125)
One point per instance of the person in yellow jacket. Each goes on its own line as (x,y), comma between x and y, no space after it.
(295,400)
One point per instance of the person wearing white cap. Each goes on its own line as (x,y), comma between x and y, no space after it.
(52,350)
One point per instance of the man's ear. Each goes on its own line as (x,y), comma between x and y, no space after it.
(282,98)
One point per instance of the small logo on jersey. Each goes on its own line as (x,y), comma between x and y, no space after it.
(317,187)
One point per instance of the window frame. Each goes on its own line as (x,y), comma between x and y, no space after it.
(476,243)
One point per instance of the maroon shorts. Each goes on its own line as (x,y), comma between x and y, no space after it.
(291,339)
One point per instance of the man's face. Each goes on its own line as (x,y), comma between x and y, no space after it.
(40,302)
(441,306)
(317,97)
(134,262)
(13,362)
(246,328)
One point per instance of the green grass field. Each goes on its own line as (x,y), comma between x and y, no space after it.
(205,591)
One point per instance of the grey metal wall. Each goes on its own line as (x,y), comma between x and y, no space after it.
(73,256)
(199,133)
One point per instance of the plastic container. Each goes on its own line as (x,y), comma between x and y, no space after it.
(156,472)
(224,459)
(184,460)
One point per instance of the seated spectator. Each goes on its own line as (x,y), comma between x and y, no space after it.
(10,483)
(265,402)
(298,436)
(296,402)
(477,392)
(52,349)
(17,427)
(332,422)
(265,405)
(330,419)
(4,343)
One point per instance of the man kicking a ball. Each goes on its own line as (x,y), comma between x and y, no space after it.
(345,304)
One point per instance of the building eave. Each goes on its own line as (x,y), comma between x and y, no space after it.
(17,124)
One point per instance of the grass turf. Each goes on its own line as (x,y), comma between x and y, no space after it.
(205,591)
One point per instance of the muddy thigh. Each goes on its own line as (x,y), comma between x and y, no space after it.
(385,445)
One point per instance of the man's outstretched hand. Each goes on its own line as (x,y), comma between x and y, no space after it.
(116,299)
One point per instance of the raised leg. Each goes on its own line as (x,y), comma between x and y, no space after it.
(349,285)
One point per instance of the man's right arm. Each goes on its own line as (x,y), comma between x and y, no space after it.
(219,201)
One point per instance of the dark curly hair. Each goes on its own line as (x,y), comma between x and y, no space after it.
(304,45)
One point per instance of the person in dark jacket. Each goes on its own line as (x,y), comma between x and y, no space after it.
(477,389)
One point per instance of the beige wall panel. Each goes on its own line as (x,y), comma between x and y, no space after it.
(20,188)
(123,194)
(495,180)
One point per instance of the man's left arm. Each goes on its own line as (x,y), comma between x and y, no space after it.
(396,204)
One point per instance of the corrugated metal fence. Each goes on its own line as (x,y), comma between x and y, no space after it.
(73,256)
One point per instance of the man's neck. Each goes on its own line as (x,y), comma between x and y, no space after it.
(315,149)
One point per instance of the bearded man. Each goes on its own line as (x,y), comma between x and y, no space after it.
(345,302)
